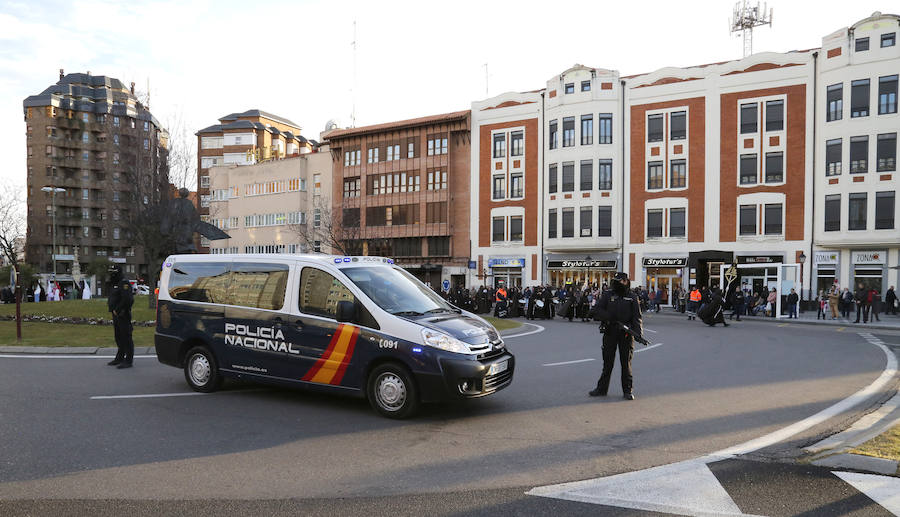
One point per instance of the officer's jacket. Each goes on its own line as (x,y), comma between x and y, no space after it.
(123,301)
(624,309)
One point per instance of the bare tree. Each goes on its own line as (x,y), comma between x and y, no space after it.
(12,223)
(335,231)
(182,153)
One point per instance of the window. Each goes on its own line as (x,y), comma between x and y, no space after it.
(655,128)
(833,157)
(585,86)
(586,217)
(146,144)
(747,220)
(393,152)
(568,177)
(317,217)
(321,292)
(85,193)
(499,146)
(654,175)
(749,174)
(887,152)
(372,155)
(587,175)
(439,246)
(604,174)
(678,123)
(655,223)
(568,222)
(833,213)
(554,134)
(604,221)
(889,39)
(517,143)
(835,99)
(568,131)
(516,185)
(774,115)
(748,118)
(498,231)
(352,157)
(774,167)
(552,179)
(437,180)
(859,154)
(85,117)
(884,210)
(499,191)
(676,222)
(887,94)
(678,174)
(570,88)
(410,149)
(859,98)
(857,213)
(436,212)
(260,286)
(587,129)
(604,128)
(515,228)
(199,281)
(351,187)
(317,185)
(437,144)
(862,44)
(551,223)
(773,219)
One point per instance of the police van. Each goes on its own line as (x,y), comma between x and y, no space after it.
(356,325)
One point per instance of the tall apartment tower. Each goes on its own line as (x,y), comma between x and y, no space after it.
(94,151)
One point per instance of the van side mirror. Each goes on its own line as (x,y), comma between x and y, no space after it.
(346,311)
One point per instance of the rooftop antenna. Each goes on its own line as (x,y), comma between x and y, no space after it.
(353,110)
(745,18)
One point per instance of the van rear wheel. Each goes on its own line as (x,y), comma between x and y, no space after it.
(392,392)
(201,370)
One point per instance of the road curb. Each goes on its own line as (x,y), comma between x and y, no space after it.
(860,462)
(827,323)
(71,350)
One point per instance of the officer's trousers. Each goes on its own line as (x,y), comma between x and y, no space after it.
(625,346)
(122,329)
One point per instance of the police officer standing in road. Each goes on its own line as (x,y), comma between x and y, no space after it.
(618,305)
(119,304)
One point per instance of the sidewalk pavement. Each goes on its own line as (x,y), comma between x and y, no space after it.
(887,321)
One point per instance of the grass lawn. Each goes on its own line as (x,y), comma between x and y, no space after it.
(502,324)
(95,308)
(35,333)
(887,445)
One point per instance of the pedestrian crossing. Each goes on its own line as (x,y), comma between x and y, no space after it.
(737,487)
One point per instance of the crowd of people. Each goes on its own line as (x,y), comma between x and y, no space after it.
(866,302)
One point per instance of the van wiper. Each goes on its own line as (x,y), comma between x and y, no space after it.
(441,309)
(407,313)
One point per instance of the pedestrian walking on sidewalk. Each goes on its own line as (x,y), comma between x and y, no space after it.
(737,304)
(890,301)
(861,295)
(874,304)
(792,300)
(771,300)
(834,300)
(821,303)
(846,303)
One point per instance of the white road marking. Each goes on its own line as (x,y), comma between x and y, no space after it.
(652,489)
(147,395)
(53,356)
(570,362)
(539,329)
(647,347)
(884,490)
(648,330)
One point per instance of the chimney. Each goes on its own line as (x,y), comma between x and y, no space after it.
(132,87)
(61,74)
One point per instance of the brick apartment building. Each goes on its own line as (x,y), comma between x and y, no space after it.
(401,190)
(92,138)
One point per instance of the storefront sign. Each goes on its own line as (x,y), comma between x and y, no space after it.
(825,257)
(665,262)
(581,264)
(472,264)
(868,257)
(761,259)
(506,262)
(117,260)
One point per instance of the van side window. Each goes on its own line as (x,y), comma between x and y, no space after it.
(321,292)
(199,282)
(260,286)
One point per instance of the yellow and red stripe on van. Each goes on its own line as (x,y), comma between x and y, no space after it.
(330,368)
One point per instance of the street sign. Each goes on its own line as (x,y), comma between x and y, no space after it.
(445,284)
(472,264)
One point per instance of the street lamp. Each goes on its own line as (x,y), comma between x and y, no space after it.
(802,259)
(53,190)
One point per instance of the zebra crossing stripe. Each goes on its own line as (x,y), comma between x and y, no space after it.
(884,490)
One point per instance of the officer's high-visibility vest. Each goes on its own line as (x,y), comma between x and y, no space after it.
(695,295)
(499,292)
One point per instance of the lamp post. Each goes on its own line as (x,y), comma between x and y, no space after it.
(53,190)
(802,259)
(587,269)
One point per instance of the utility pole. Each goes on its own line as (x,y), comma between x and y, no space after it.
(53,190)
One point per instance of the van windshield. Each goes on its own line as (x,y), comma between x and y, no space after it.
(396,291)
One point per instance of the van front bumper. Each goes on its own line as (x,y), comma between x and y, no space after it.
(466,379)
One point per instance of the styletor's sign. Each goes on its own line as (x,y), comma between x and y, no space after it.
(665,262)
(581,264)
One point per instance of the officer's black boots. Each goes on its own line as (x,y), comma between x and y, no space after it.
(114,362)
(597,393)
(124,364)
(629,396)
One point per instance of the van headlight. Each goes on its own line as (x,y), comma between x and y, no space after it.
(436,339)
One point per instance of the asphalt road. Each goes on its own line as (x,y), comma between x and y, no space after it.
(701,390)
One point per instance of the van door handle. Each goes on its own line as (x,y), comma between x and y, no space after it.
(299,324)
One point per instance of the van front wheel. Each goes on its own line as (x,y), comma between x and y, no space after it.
(392,392)
(201,371)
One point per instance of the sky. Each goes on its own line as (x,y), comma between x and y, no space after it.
(205,59)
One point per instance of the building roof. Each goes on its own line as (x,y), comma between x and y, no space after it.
(400,124)
(258,113)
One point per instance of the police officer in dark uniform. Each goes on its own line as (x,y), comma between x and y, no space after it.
(618,305)
(119,304)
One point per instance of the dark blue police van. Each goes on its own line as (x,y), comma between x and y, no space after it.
(356,325)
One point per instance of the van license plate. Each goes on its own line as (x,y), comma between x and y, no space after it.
(498,368)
